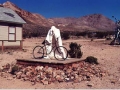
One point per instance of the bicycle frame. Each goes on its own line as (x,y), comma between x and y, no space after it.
(46,49)
(53,47)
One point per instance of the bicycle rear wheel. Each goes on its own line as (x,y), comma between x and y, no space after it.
(38,52)
(61,53)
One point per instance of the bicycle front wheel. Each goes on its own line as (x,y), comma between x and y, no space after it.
(38,52)
(61,53)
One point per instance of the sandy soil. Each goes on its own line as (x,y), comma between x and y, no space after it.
(108,57)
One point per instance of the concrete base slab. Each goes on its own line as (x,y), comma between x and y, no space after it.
(48,61)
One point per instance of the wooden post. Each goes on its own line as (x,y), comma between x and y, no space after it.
(2,46)
(21,44)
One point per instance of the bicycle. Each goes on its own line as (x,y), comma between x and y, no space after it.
(39,52)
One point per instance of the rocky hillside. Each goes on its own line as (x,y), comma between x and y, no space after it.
(89,22)
(30,18)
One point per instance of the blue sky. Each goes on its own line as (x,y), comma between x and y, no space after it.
(69,8)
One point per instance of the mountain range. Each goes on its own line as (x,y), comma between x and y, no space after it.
(37,22)
(93,22)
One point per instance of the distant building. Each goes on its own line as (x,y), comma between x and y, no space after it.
(10,28)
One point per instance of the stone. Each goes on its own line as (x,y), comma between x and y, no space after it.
(37,79)
(52,79)
(113,81)
(28,74)
(58,77)
(102,74)
(26,79)
(33,83)
(4,74)
(49,70)
(1,68)
(68,71)
(14,76)
(76,76)
(29,68)
(42,75)
(80,79)
(81,64)
(88,78)
(90,84)
(18,75)
(38,76)
(76,81)
(74,65)
(39,68)
(84,78)
(45,82)
(62,73)
(72,77)
(24,50)
(58,72)
(67,79)
(54,74)
(23,75)
(10,53)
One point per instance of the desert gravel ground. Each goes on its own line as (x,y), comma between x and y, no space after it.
(108,57)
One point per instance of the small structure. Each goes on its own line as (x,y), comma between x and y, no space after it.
(10,28)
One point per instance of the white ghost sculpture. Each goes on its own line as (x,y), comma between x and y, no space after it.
(53,36)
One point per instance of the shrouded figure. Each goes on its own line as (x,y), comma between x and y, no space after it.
(53,37)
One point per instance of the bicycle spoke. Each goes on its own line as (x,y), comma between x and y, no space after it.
(61,53)
(38,52)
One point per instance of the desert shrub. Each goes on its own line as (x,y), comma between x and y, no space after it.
(78,33)
(14,69)
(75,51)
(91,60)
(31,30)
(108,38)
(65,35)
(103,34)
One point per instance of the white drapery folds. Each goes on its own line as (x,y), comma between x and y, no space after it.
(53,37)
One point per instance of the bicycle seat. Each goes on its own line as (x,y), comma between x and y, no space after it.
(46,42)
